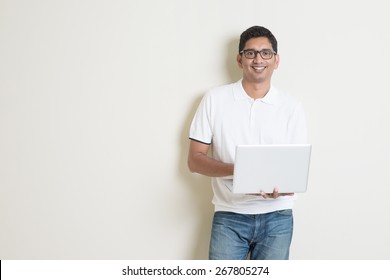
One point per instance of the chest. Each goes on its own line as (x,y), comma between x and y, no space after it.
(252,123)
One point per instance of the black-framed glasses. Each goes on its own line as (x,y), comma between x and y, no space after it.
(265,53)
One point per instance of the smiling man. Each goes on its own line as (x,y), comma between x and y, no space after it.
(249,112)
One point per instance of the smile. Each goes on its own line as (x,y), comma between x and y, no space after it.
(258,68)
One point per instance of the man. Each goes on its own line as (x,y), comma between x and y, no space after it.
(250,111)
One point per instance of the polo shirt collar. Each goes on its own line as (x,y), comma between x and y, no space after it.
(269,98)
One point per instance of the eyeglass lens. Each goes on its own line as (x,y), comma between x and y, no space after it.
(265,54)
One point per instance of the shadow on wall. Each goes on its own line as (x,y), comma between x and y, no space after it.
(200,192)
(233,71)
(200,186)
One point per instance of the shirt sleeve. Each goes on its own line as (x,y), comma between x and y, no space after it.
(297,129)
(201,129)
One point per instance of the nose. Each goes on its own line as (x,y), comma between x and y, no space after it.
(257,57)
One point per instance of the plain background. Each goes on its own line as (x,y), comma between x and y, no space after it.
(96,99)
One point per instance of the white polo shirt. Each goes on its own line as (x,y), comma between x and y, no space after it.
(228,117)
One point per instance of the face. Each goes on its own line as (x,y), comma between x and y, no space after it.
(258,70)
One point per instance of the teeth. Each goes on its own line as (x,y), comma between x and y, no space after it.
(259,67)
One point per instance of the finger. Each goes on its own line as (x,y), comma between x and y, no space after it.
(255,194)
(275,194)
(263,194)
(286,194)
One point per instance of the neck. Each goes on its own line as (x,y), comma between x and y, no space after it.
(256,90)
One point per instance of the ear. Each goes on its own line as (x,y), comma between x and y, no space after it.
(277,60)
(239,60)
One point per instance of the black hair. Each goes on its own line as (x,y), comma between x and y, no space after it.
(255,32)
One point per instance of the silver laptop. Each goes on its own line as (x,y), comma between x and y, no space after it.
(263,167)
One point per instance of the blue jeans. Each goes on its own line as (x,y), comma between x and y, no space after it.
(262,236)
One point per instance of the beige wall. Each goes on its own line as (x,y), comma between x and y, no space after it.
(96,98)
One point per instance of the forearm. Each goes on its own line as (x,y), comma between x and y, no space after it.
(205,165)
